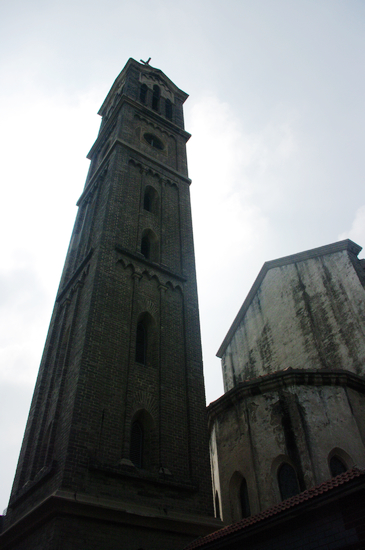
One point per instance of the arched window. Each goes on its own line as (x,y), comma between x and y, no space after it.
(143,451)
(141,343)
(156,98)
(217,507)
(154,141)
(146,341)
(238,497)
(143,93)
(288,483)
(136,449)
(337,467)
(149,245)
(245,504)
(145,246)
(147,201)
(168,109)
(150,199)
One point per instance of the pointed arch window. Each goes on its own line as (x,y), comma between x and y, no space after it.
(150,199)
(136,449)
(145,247)
(141,343)
(143,450)
(238,496)
(143,94)
(245,504)
(147,201)
(288,482)
(156,98)
(337,467)
(150,245)
(168,109)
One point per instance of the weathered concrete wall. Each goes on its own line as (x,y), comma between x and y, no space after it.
(309,313)
(286,417)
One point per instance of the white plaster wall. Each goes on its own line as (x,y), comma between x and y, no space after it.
(309,314)
(331,423)
(249,437)
(233,455)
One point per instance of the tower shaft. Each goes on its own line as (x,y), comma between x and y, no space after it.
(115,452)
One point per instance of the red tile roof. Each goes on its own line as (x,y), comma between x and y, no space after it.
(289,503)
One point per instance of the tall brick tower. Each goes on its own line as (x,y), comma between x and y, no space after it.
(115,452)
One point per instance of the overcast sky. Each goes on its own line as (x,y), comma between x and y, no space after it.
(276,112)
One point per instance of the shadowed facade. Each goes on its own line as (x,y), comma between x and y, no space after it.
(115,452)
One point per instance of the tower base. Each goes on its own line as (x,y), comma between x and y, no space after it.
(80,522)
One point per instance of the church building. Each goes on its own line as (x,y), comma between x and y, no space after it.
(116,448)
(293,363)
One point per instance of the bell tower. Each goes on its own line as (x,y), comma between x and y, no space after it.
(115,452)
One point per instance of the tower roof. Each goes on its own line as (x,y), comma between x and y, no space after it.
(143,68)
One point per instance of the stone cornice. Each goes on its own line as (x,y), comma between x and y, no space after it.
(142,476)
(73,279)
(140,259)
(285,379)
(41,477)
(160,168)
(95,179)
(153,115)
